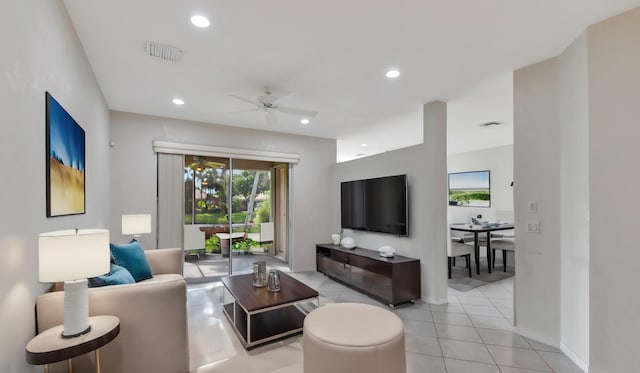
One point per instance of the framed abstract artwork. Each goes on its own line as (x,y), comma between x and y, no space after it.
(65,161)
(472,189)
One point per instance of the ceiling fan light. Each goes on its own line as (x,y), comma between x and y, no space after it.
(200,21)
(392,74)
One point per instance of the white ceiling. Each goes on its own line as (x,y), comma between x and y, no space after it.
(330,56)
(489,101)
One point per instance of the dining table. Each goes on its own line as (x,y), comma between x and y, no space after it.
(476,229)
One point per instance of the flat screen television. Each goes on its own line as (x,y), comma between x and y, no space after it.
(375,205)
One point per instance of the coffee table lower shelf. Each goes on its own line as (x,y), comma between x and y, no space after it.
(256,328)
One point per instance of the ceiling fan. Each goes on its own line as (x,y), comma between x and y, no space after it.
(267,103)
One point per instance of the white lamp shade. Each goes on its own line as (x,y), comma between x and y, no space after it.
(73,254)
(136,224)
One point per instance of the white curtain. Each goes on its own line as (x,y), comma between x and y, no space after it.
(170,199)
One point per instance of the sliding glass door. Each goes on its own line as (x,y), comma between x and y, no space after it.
(234,212)
(206,217)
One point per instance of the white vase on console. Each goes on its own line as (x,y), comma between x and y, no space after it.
(335,239)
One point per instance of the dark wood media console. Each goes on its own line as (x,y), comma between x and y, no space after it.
(391,280)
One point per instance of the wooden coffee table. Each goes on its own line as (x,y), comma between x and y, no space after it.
(259,316)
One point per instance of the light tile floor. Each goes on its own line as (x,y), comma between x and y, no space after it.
(473,333)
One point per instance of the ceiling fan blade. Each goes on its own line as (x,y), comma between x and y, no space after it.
(244,99)
(242,111)
(295,111)
(270,117)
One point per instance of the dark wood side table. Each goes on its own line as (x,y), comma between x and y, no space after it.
(50,347)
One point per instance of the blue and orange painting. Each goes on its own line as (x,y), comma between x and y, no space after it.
(66,162)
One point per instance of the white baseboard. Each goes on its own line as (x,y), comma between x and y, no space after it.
(431,300)
(571,355)
(566,350)
(538,337)
(305,269)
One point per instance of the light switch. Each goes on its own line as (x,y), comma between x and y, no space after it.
(533,226)
(533,206)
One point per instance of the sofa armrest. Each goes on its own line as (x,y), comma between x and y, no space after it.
(153,326)
(165,261)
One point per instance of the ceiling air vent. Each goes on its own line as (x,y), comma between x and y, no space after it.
(162,51)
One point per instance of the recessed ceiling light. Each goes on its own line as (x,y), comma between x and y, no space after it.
(392,74)
(200,21)
(363,145)
(178,101)
(305,121)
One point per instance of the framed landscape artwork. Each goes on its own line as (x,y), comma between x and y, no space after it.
(65,164)
(472,189)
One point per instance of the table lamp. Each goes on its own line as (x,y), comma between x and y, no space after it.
(72,256)
(136,224)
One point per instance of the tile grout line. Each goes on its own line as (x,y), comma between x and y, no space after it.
(444,362)
(543,359)
(484,344)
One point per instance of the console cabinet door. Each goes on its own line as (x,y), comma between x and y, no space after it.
(372,265)
(341,257)
(333,268)
(372,276)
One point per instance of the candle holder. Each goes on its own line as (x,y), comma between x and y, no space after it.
(259,274)
(273,283)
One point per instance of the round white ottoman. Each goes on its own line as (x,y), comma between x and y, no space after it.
(352,338)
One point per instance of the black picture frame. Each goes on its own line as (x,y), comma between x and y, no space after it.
(65,161)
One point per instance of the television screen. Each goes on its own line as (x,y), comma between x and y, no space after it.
(375,205)
(471,189)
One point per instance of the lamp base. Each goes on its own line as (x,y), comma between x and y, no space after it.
(87,330)
(76,308)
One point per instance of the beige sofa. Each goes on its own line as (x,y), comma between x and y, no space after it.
(153,320)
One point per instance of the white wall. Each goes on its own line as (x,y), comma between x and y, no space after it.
(40,53)
(588,98)
(499,160)
(614,102)
(537,179)
(425,166)
(573,121)
(133,170)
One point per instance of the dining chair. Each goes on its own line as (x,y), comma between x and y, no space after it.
(505,244)
(482,243)
(456,248)
(504,216)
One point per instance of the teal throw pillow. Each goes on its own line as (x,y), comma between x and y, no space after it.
(131,256)
(116,276)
